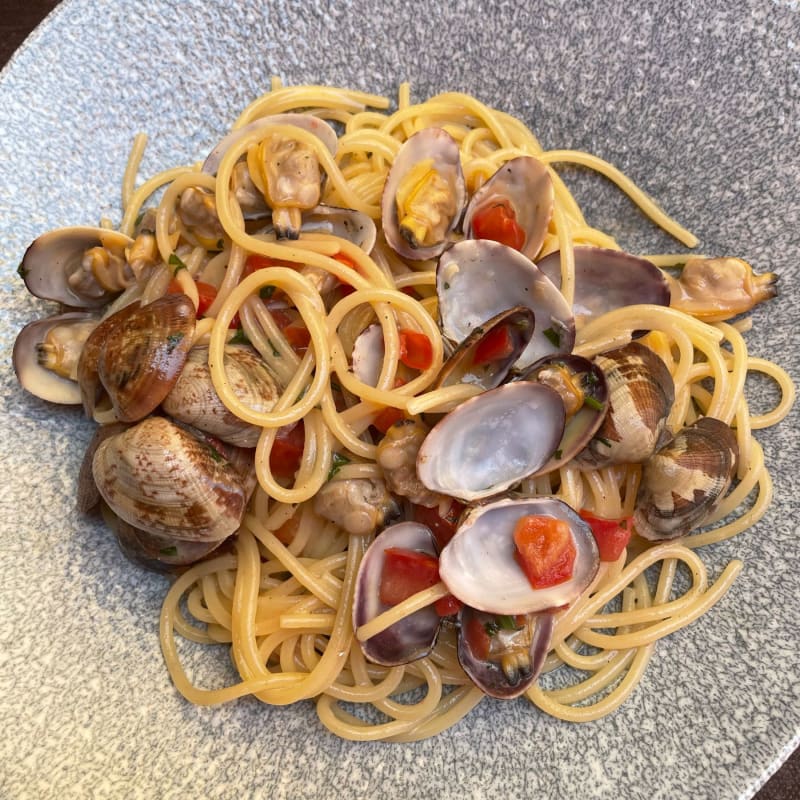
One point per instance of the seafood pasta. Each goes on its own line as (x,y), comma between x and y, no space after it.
(404,428)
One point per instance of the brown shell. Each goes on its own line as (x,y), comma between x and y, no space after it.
(684,482)
(136,356)
(640,395)
(158,477)
(194,400)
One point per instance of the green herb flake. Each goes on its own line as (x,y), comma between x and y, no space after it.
(139,218)
(506,622)
(338,462)
(592,402)
(275,352)
(175,261)
(215,454)
(220,244)
(603,441)
(168,551)
(491,628)
(265,292)
(173,340)
(240,337)
(552,336)
(558,453)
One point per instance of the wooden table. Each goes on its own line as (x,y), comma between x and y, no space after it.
(17,19)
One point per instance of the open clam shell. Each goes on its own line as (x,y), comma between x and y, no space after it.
(486,356)
(524,188)
(492,441)
(308,122)
(414,636)
(436,146)
(479,568)
(30,359)
(584,390)
(54,266)
(520,655)
(608,279)
(684,481)
(477,279)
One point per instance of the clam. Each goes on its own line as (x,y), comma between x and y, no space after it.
(492,441)
(424,195)
(81,267)
(640,396)
(479,566)
(478,279)
(193,399)
(368,352)
(88,497)
(358,505)
(486,356)
(46,353)
(136,356)
(513,207)
(714,289)
(414,636)
(503,655)
(160,478)
(584,392)
(608,279)
(683,482)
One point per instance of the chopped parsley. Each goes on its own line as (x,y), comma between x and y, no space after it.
(592,402)
(553,336)
(169,551)
(139,218)
(558,453)
(338,462)
(491,628)
(175,261)
(215,454)
(173,340)
(240,337)
(506,622)
(275,351)
(265,292)
(603,441)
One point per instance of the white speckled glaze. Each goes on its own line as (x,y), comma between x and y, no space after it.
(699,102)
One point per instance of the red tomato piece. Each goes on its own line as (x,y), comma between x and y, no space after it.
(544,549)
(287,450)
(612,535)
(298,337)
(406,572)
(255,262)
(447,606)
(207,294)
(443,527)
(387,418)
(495,345)
(499,223)
(479,640)
(416,350)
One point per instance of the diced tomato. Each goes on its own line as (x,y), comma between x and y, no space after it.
(298,337)
(411,292)
(287,531)
(287,450)
(343,259)
(499,223)
(206,295)
(544,549)
(495,345)
(443,528)
(479,640)
(416,350)
(387,418)
(447,606)
(612,535)
(255,262)
(406,572)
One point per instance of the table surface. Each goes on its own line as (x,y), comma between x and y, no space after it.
(17,19)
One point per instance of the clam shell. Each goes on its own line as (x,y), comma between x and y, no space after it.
(492,441)
(52,255)
(525,184)
(479,568)
(414,636)
(488,675)
(34,377)
(433,143)
(640,395)
(194,400)
(683,482)
(158,477)
(608,279)
(308,122)
(478,279)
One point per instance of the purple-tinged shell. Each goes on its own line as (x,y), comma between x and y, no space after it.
(492,441)
(477,279)
(526,650)
(479,567)
(582,423)
(414,636)
(608,279)
(524,185)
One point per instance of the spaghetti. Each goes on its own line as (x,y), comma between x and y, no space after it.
(281,601)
